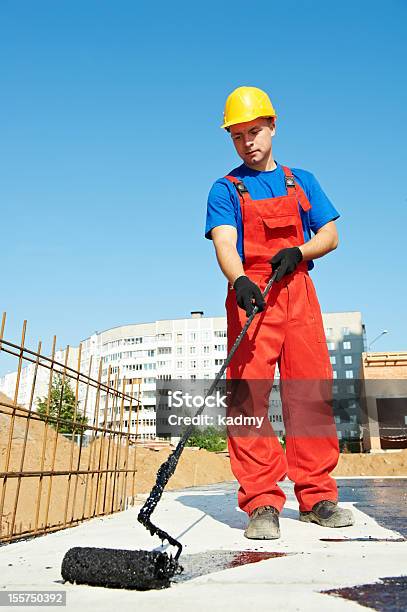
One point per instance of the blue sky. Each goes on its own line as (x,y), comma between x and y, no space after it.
(110,141)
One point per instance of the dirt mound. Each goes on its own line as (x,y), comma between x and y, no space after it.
(378,464)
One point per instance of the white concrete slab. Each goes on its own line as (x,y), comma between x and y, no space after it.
(205,519)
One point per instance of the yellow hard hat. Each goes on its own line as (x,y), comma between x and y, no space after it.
(245,104)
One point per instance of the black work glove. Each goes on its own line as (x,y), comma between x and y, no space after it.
(286,261)
(246,292)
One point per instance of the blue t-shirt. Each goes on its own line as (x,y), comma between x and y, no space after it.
(224,206)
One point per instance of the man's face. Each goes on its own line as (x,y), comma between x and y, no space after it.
(252,140)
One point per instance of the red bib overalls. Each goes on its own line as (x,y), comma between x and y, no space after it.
(289,332)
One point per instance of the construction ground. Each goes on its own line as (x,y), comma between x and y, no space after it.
(309,568)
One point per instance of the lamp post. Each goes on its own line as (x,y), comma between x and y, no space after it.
(385,331)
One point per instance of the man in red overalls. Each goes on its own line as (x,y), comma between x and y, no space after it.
(260,217)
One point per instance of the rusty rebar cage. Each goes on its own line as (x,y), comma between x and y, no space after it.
(56,472)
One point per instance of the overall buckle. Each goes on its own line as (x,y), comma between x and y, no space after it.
(241,187)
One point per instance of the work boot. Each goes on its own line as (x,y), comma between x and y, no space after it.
(263,524)
(328,514)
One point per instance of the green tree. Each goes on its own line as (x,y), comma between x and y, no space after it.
(209,438)
(62,404)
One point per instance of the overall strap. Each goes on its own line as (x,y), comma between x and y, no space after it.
(294,189)
(240,188)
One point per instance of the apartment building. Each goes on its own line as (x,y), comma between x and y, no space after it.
(138,354)
(346,340)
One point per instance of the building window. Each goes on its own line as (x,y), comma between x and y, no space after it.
(337,419)
(148,393)
(328,332)
(219,362)
(206,349)
(348,373)
(192,336)
(335,374)
(206,363)
(332,359)
(163,350)
(348,359)
(192,364)
(150,353)
(180,365)
(192,350)
(220,347)
(339,433)
(345,331)
(331,346)
(179,337)
(347,345)
(220,334)
(164,336)
(193,376)
(149,366)
(206,335)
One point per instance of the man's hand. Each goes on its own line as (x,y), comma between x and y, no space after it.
(286,261)
(248,292)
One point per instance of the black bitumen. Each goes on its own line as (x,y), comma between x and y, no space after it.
(119,569)
(389,595)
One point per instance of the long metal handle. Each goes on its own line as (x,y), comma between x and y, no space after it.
(167,469)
